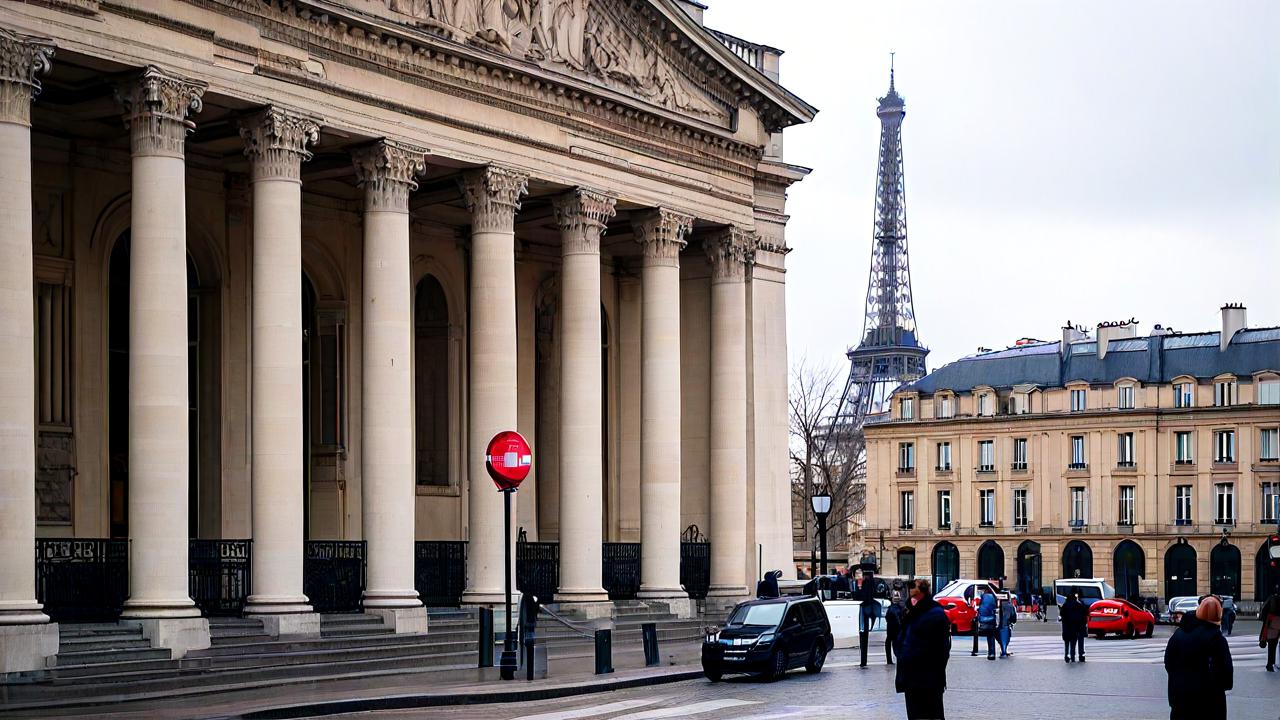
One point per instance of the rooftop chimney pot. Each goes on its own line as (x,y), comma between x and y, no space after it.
(1234,319)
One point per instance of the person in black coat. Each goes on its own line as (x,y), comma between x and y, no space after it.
(892,629)
(869,612)
(768,585)
(925,648)
(1074,615)
(1198,661)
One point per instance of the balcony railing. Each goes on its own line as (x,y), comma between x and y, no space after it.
(1126,464)
(942,468)
(986,468)
(986,524)
(1182,522)
(1225,521)
(1187,461)
(1078,466)
(1018,466)
(906,526)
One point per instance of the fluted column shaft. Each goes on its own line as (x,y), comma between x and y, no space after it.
(156,108)
(662,233)
(387,170)
(728,253)
(582,215)
(21,59)
(493,196)
(276,142)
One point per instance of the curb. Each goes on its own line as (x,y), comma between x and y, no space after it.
(409,702)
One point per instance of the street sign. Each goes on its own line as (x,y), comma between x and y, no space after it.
(508,460)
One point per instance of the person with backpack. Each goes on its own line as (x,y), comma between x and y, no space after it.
(988,620)
(1008,616)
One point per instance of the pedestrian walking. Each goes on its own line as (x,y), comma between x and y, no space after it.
(988,622)
(1075,623)
(923,654)
(1270,635)
(1008,616)
(893,629)
(869,612)
(1198,661)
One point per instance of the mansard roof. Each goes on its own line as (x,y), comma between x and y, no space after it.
(1151,360)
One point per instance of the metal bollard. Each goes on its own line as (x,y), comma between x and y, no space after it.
(604,652)
(649,631)
(486,637)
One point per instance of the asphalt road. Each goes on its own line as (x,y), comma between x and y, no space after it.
(1123,679)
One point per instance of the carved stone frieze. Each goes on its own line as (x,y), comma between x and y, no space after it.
(388,171)
(582,216)
(156,106)
(22,60)
(492,194)
(277,142)
(662,233)
(729,252)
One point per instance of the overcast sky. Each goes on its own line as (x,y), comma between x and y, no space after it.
(1086,161)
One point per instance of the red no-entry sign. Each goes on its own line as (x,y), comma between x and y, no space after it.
(508,460)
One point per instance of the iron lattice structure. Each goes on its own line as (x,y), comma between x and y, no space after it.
(889,352)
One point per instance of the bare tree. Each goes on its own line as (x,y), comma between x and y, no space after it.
(827,450)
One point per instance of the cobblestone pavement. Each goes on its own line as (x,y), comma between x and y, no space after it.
(1123,679)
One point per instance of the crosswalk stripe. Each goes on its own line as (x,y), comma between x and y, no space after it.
(594,710)
(686,710)
(1138,651)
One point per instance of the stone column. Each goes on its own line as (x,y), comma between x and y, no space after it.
(156,105)
(728,252)
(386,170)
(581,215)
(493,195)
(27,639)
(276,142)
(662,232)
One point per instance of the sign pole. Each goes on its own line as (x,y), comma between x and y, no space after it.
(508,459)
(508,664)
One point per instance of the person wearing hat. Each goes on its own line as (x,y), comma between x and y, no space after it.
(1198,661)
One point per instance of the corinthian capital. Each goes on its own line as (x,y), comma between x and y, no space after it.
(662,232)
(22,60)
(582,215)
(493,196)
(156,106)
(276,141)
(730,251)
(387,170)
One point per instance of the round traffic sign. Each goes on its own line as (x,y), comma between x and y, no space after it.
(508,460)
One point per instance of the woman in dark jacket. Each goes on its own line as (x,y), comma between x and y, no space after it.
(1075,623)
(923,655)
(893,629)
(1198,661)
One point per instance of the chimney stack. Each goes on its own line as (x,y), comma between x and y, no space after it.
(1234,320)
(1070,333)
(1108,331)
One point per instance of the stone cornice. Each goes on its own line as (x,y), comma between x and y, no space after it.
(662,233)
(492,194)
(276,140)
(729,252)
(156,105)
(22,60)
(388,171)
(582,215)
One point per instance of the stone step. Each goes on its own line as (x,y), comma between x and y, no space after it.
(98,631)
(318,644)
(108,668)
(91,657)
(348,619)
(81,644)
(240,638)
(355,630)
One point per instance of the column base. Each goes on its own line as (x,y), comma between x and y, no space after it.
(589,609)
(159,609)
(490,598)
(178,635)
(24,648)
(722,598)
(267,605)
(596,595)
(391,599)
(22,613)
(679,604)
(404,621)
(294,624)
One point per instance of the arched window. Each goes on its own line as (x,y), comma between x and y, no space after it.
(431,383)
(1077,560)
(1029,575)
(990,561)
(946,564)
(1130,565)
(1224,570)
(1179,570)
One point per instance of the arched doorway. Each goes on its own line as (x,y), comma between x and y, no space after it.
(1266,576)
(1077,560)
(431,383)
(1224,570)
(907,562)
(1130,565)
(204,496)
(1179,570)
(946,564)
(990,561)
(1030,581)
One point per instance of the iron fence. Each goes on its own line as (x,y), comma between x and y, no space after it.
(695,563)
(440,572)
(537,568)
(219,575)
(333,574)
(621,570)
(82,579)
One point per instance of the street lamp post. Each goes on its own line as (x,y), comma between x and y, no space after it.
(821,502)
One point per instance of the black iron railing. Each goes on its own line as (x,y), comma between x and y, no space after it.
(695,563)
(621,570)
(219,575)
(537,568)
(333,574)
(82,580)
(440,572)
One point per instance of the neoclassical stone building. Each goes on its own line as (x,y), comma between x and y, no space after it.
(276,270)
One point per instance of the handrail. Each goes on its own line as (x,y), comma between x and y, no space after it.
(565,621)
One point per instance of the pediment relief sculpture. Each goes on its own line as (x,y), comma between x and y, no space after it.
(578,37)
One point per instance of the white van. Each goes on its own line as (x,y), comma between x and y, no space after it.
(1091,590)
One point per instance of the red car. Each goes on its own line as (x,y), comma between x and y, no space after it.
(958,599)
(959,612)
(1121,617)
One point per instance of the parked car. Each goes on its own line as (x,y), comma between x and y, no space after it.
(958,597)
(1091,590)
(1121,617)
(1179,606)
(769,636)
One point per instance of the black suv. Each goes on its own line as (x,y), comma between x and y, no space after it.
(769,636)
